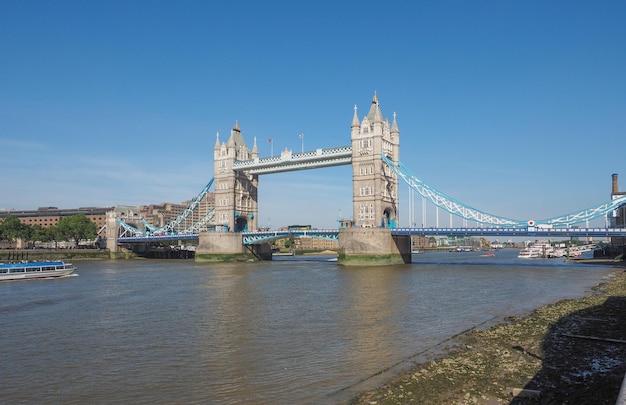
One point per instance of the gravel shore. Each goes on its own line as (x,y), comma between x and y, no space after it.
(569,352)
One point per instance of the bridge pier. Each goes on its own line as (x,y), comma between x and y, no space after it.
(373,247)
(228,247)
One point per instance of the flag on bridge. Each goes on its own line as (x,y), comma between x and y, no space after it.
(270,140)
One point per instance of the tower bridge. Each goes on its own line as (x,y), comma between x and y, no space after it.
(374,236)
(375,186)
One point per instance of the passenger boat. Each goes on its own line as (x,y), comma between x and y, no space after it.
(540,249)
(529,253)
(28,270)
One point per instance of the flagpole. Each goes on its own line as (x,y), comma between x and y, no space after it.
(302,141)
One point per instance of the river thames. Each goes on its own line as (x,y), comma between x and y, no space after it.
(296,330)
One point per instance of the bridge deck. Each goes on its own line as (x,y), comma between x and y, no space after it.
(255,237)
(288,161)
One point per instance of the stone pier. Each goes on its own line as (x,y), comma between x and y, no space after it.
(228,247)
(373,247)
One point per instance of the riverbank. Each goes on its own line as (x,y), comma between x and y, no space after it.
(569,352)
(55,254)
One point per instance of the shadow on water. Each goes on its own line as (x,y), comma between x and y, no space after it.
(583,358)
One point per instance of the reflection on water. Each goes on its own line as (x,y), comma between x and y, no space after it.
(296,330)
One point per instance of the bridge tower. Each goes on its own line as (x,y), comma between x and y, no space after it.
(375,196)
(236,204)
(375,186)
(236,192)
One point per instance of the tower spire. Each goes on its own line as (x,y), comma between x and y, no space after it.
(355,118)
(374,113)
(394,125)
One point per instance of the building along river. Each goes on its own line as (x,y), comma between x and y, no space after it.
(295,330)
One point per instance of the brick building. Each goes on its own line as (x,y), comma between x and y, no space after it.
(50,216)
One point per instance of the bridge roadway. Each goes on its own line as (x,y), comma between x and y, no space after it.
(333,234)
(288,161)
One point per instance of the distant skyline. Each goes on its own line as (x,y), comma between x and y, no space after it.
(515,108)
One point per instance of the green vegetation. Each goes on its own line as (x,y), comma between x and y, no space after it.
(242,257)
(74,227)
(290,241)
(11,228)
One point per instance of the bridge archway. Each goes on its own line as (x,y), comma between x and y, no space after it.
(241,224)
(389,219)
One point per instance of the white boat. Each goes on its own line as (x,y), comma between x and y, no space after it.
(529,253)
(575,251)
(29,270)
(540,249)
(558,253)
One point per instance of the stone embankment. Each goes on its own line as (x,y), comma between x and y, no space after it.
(569,352)
(53,254)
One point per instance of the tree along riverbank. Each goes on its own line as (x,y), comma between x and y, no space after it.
(568,352)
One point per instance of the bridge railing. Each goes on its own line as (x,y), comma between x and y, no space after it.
(317,154)
(333,234)
(255,237)
(514,231)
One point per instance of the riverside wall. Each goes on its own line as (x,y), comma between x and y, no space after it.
(228,247)
(372,247)
(55,254)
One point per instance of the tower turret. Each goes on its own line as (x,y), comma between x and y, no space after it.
(217,141)
(255,150)
(375,186)
(236,196)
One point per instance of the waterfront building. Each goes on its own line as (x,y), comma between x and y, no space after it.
(316,244)
(155,214)
(420,242)
(160,214)
(50,216)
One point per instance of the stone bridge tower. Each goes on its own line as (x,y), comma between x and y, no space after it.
(236,192)
(375,186)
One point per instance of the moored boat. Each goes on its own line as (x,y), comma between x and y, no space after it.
(539,249)
(30,270)
(529,253)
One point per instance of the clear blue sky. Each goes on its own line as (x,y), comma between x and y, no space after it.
(517,108)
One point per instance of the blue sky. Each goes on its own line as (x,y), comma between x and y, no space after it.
(517,108)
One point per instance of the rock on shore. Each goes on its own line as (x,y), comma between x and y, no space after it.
(569,352)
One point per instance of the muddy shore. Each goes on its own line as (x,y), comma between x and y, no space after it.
(568,352)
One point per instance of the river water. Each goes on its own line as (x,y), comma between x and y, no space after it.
(295,330)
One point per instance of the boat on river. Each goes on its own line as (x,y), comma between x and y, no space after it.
(28,270)
(539,249)
(529,253)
